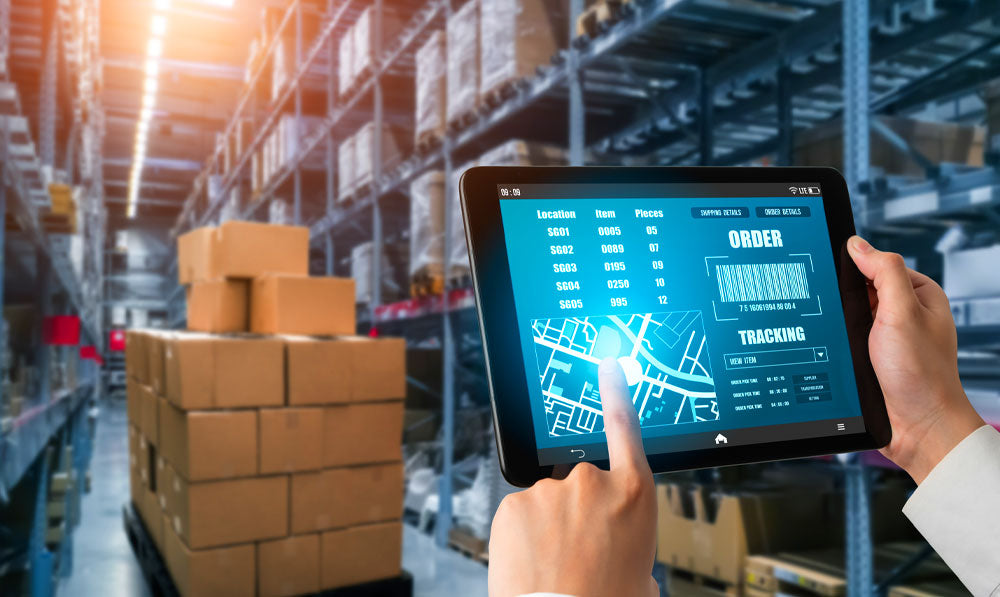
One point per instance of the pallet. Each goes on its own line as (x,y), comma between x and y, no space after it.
(705,582)
(465,120)
(162,585)
(469,545)
(596,19)
(501,93)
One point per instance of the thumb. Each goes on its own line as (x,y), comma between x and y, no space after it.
(887,272)
(621,425)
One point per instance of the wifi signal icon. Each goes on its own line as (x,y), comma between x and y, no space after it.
(793,190)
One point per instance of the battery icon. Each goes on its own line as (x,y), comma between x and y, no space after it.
(813,190)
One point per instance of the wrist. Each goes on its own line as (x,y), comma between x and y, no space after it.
(929,443)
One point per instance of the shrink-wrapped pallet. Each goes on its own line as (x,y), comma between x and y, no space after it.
(517,36)
(427,224)
(463,61)
(432,87)
(392,276)
(345,168)
(393,146)
(345,62)
(363,33)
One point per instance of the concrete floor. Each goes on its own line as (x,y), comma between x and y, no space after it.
(103,560)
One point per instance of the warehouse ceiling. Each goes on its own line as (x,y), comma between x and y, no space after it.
(201,72)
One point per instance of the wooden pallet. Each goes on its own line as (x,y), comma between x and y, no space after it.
(469,545)
(599,17)
(705,582)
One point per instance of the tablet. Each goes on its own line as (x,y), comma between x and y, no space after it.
(726,294)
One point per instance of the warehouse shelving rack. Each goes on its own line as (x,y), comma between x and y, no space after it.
(39,265)
(677,82)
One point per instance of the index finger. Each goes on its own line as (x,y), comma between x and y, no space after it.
(621,424)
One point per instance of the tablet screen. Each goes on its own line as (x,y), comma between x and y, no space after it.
(720,302)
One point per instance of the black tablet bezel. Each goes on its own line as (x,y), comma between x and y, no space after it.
(495,302)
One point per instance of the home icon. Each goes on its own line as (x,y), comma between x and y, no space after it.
(721,439)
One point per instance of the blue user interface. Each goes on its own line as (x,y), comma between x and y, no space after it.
(723,312)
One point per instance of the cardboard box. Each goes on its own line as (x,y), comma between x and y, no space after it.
(360,554)
(164,483)
(148,416)
(288,566)
(238,249)
(206,372)
(207,445)
(362,433)
(209,572)
(135,467)
(300,305)
(715,546)
(152,516)
(395,143)
(193,255)
(516,37)
(155,345)
(133,400)
(136,361)
(343,497)
(291,439)
(218,306)
(215,513)
(341,370)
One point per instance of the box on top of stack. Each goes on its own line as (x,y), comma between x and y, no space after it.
(268,449)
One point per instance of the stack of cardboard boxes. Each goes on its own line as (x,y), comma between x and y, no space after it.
(265,441)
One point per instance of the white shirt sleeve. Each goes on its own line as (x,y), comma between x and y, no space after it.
(957,509)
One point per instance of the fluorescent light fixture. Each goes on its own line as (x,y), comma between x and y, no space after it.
(152,67)
(149,99)
(159,26)
(161,5)
(155,48)
(149,85)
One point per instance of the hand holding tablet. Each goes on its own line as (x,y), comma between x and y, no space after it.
(726,295)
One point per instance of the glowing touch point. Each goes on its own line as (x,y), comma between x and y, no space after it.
(632,369)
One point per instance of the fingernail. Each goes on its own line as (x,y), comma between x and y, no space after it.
(859,244)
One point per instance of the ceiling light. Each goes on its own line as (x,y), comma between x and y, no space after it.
(152,67)
(159,27)
(161,5)
(155,48)
(149,85)
(148,99)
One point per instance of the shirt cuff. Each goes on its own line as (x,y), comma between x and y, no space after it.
(954,509)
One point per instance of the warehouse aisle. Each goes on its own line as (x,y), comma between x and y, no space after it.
(103,563)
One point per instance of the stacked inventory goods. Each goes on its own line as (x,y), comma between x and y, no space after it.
(266,463)
(822,572)
(392,276)
(463,62)
(510,153)
(709,532)
(938,142)
(394,145)
(357,47)
(432,90)
(962,271)
(427,234)
(517,36)
(281,146)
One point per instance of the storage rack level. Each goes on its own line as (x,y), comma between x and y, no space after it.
(154,568)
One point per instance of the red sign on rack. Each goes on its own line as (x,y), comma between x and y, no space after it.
(116,341)
(89,352)
(61,330)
